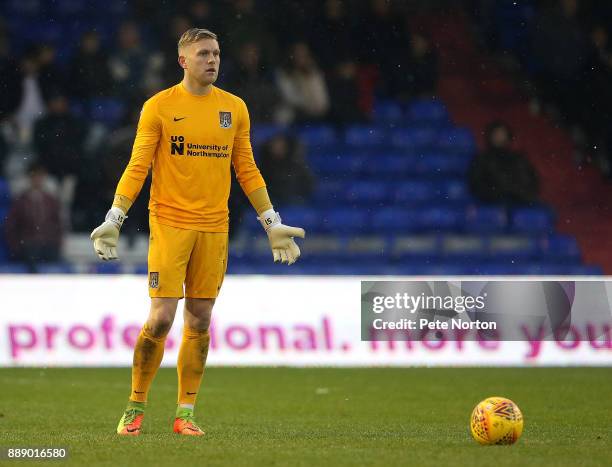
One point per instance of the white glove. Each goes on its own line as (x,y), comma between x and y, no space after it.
(284,248)
(105,236)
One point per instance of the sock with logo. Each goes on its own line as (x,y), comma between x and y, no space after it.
(148,354)
(190,365)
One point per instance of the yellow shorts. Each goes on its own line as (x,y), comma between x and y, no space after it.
(181,256)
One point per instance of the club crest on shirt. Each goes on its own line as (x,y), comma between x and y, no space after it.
(225,119)
(154,280)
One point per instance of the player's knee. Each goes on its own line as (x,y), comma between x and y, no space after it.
(159,326)
(198,313)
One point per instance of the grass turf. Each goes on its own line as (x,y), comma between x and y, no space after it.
(283,416)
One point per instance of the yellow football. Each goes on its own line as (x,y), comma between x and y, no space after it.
(496,420)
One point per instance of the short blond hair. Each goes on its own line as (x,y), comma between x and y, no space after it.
(194,35)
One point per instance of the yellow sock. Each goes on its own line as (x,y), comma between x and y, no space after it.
(148,354)
(190,366)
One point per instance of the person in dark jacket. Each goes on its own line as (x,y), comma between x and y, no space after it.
(33,224)
(288,178)
(501,175)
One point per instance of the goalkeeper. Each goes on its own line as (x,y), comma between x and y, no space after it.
(188,135)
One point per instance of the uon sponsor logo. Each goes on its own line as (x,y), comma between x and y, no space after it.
(177,145)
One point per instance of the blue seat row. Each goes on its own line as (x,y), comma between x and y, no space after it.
(418,111)
(448,138)
(394,193)
(385,248)
(395,164)
(440,217)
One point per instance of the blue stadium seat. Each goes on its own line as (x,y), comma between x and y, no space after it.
(396,220)
(368,192)
(330,192)
(441,164)
(56,268)
(363,135)
(308,218)
(317,136)
(108,267)
(331,164)
(431,111)
(413,138)
(387,112)
(49,32)
(440,217)
(21,8)
(586,270)
(141,268)
(485,219)
(109,111)
(5,195)
(545,269)
(342,221)
(416,190)
(513,247)
(455,190)
(407,247)
(457,140)
(262,133)
(532,220)
(561,247)
(468,248)
(393,165)
(13,268)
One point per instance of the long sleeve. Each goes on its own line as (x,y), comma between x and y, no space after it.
(247,173)
(145,145)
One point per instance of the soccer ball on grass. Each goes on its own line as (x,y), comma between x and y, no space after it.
(496,420)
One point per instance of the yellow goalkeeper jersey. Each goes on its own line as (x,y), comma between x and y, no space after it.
(190,141)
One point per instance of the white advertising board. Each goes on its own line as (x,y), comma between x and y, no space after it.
(258,320)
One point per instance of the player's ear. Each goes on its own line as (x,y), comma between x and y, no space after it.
(182,61)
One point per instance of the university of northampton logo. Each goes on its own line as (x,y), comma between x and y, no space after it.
(154,280)
(225,119)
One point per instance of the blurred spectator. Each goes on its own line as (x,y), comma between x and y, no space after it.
(89,68)
(383,38)
(302,86)
(51,78)
(115,155)
(243,25)
(250,82)
(59,138)
(32,105)
(33,225)
(558,30)
(10,81)
(332,27)
(282,164)
(597,114)
(418,75)
(201,14)
(171,72)
(343,86)
(134,69)
(500,175)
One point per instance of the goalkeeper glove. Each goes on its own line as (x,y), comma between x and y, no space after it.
(284,248)
(105,236)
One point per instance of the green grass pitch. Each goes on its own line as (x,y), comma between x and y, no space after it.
(324,416)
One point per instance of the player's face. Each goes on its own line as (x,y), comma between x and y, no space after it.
(202,60)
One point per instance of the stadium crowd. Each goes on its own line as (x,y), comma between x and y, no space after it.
(360,76)
(69,106)
(564,50)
